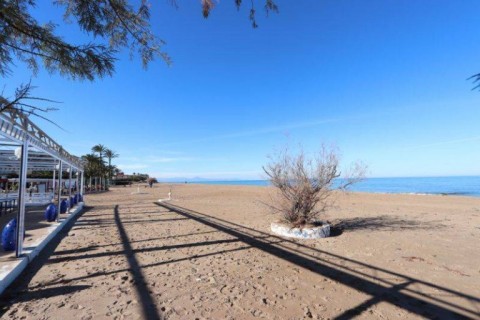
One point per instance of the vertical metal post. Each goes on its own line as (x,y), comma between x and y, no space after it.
(77,175)
(70,187)
(60,170)
(53,181)
(21,199)
(82,185)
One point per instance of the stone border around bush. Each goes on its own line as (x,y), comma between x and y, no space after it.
(282,229)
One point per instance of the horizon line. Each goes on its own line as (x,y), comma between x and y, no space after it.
(199,179)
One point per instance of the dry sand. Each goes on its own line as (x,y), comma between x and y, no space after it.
(212,256)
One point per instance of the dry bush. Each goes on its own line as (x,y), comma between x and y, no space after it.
(305,185)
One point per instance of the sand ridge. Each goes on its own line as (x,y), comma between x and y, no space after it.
(209,254)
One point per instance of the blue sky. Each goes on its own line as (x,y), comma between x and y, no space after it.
(385,81)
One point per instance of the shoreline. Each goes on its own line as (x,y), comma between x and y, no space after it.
(449,194)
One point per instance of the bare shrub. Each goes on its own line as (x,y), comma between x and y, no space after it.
(304,185)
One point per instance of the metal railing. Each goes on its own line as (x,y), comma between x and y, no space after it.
(30,198)
(8,205)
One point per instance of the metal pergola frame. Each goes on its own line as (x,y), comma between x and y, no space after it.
(37,152)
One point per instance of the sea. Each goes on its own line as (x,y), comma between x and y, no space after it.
(461,186)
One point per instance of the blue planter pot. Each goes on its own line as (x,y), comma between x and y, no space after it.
(63,206)
(51,212)
(8,235)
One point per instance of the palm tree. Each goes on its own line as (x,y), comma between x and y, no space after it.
(110,154)
(93,166)
(100,148)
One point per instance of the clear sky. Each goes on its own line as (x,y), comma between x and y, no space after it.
(383,80)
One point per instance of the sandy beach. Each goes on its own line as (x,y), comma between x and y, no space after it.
(209,254)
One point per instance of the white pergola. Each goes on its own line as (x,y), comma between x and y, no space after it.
(25,147)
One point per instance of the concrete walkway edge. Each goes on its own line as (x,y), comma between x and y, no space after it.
(9,273)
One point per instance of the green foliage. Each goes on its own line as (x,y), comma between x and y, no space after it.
(152,180)
(110,154)
(114,23)
(140,178)
(100,148)
(129,179)
(111,24)
(270,6)
(46,175)
(94,166)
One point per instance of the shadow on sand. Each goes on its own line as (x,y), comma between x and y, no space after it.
(411,294)
(380,223)
(406,293)
(19,291)
(149,308)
